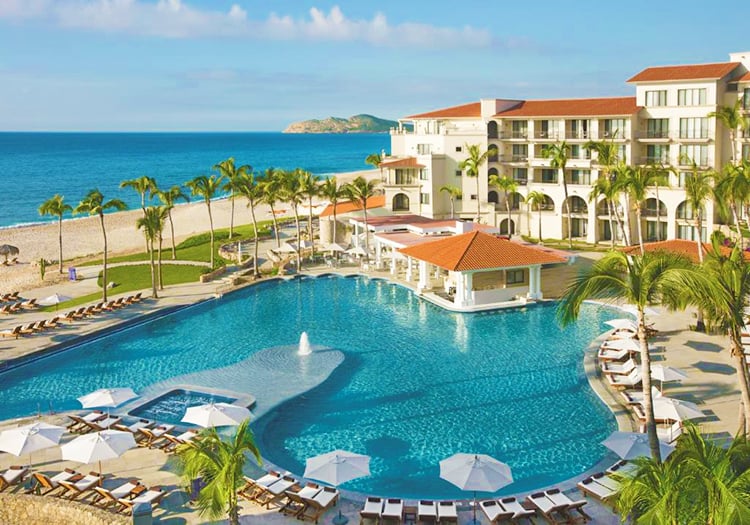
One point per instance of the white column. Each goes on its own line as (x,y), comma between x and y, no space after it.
(424,276)
(378,253)
(408,269)
(468,300)
(459,296)
(356,235)
(535,282)
(393,261)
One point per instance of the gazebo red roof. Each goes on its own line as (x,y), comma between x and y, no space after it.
(377,201)
(478,251)
(678,246)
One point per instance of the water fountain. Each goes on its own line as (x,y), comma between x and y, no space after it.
(304,345)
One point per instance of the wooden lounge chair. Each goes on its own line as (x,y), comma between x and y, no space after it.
(520,512)
(52,323)
(15,475)
(69,317)
(76,488)
(294,504)
(558,498)
(174,441)
(370,513)
(273,494)
(101,424)
(426,511)
(622,369)
(255,486)
(447,512)
(393,511)
(106,497)
(552,512)
(155,436)
(29,304)
(622,468)
(135,428)
(6,309)
(317,505)
(154,496)
(13,332)
(133,299)
(44,485)
(600,487)
(80,422)
(495,512)
(629,381)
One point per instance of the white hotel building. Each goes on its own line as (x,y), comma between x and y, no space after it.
(666,121)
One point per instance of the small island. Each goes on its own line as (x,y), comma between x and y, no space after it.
(356,124)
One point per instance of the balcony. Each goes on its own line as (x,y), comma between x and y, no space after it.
(664,159)
(546,135)
(655,135)
(514,158)
(577,134)
(521,182)
(514,135)
(650,212)
(615,134)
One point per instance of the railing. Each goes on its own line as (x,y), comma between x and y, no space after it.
(617,134)
(652,213)
(552,135)
(513,134)
(695,134)
(654,134)
(540,180)
(521,182)
(655,160)
(580,180)
(519,158)
(570,134)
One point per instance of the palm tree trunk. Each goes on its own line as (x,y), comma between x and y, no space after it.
(161,275)
(367,231)
(658,215)
(143,209)
(104,259)
(310,227)
(479,208)
(171,227)
(255,236)
(621,225)
(59,238)
(540,225)
(211,225)
(648,402)
(153,270)
(611,225)
(336,254)
(640,228)
(507,206)
(742,378)
(231,217)
(299,241)
(567,209)
(453,215)
(275,226)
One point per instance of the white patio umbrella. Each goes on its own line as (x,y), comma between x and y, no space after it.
(216,415)
(675,409)
(633,309)
(622,324)
(107,444)
(305,244)
(287,248)
(107,397)
(623,344)
(54,299)
(357,250)
(337,467)
(631,445)
(333,247)
(666,374)
(475,472)
(30,438)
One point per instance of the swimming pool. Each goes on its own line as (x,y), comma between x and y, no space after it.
(170,407)
(417,384)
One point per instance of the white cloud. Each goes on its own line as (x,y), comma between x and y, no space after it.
(178,19)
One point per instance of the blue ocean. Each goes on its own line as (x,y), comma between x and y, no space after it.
(35,166)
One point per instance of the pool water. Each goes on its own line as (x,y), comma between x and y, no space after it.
(417,384)
(170,407)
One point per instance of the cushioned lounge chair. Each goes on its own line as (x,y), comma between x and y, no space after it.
(253,486)
(551,511)
(600,487)
(154,496)
(13,332)
(135,428)
(370,513)
(106,497)
(77,488)
(172,442)
(80,422)
(393,511)
(426,511)
(571,506)
(273,494)
(102,424)
(15,475)
(317,505)
(47,485)
(447,512)
(619,368)
(294,503)
(155,436)
(495,512)
(622,468)
(629,381)
(520,512)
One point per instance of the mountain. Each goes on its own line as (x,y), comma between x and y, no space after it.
(355,124)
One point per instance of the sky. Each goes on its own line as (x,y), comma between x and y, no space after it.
(257,65)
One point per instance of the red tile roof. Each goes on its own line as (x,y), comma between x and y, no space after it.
(744,78)
(573,107)
(478,251)
(348,206)
(678,246)
(408,162)
(471,110)
(686,72)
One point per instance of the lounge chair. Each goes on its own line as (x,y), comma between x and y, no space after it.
(172,442)
(28,329)
(619,368)
(106,497)
(600,487)
(636,398)
(15,475)
(70,317)
(520,512)
(154,496)
(45,485)
(393,511)
(15,308)
(102,424)
(495,512)
(426,511)
(294,504)
(447,512)
(610,354)
(154,436)
(52,323)
(274,493)
(80,422)
(6,309)
(75,489)
(134,298)
(629,381)
(370,513)
(12,332)
(669,434)
(554,513)
(253,486)
(558,498)
(318,504)
(622,468)
(29,304)
(135,428)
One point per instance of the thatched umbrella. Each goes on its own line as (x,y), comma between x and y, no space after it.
(8,250)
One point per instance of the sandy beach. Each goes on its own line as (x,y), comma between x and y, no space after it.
(82,237)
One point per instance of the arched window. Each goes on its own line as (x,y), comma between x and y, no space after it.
(577,205)
(685,212)
(652,208)
(492,153)
(400,202)
(491,172)
(492,129)
(493,197)
(504,227)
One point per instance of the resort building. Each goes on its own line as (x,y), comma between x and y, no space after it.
(665,123)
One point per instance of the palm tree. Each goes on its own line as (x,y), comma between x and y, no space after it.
(142,185)
(270,185)
(651,278)
(733,186)
(721,294)
(607,159)
(331,191)
(206,187)
(55,206)
(471,166)
(361,190)
(93,204)
(698,189)
(251,190)
(310,186)
(151,224)
(733,120)
(291,192)
(659,176)
(537,198)
(603,187)
(233,178)
(509,186)
(454,192)
(169,198)
(558,158)
(374,160)
(218,461)
(636,181)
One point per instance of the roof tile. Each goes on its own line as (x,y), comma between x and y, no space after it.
(345,207)
(407,162)
(573,107)
(685,72)
(471,110)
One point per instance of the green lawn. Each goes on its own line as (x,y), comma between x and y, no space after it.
(130,278)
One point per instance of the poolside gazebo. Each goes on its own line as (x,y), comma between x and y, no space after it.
(482,269)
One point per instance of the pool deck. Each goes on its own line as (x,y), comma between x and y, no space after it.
(711,383)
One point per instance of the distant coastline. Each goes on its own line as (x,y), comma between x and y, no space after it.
(356,124)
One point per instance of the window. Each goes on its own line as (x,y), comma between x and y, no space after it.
(580,177)
(423,174)
(578,152)
(681,178)
(424,149)
(492,153)
(694,128)
(657,153)
(549,175)
(514,276)
(473,196)
(520,175)
(424,198)
(520,152)
(746,99)
(697,153)
(458,148)
(746,151)
(458,173)
(403,176)
(656,98)
(622,153)
(657,128)
(519,129)
(614,128)
(691,97)
(579,129)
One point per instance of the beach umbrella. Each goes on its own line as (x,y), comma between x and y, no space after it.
(7,250)
(631,445)
(55,299)
(107,397)
(475,472)
(623,344)
(334,248)
(287,248)
(622,324)
(633,309)
(305,244)
(335,468)
(99,446)
(357,250)
(666,374)
(30,438)
(216,415)
(676,409)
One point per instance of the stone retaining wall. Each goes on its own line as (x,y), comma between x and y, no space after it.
(22,509)
(206,277)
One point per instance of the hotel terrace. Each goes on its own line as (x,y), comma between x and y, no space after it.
(666,122)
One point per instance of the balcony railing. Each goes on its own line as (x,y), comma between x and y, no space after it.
(545,180)
(581,180)
(664,159)
(694,134)
(579,134)
(649,212)
(520,182)
(521,134)
(654,134)
(551,134)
